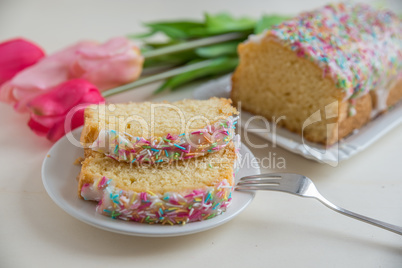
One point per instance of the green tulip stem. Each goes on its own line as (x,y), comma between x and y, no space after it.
(193,44)
(157,77)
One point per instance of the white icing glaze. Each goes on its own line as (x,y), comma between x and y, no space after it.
(148,207)
(256,38)
(381,95)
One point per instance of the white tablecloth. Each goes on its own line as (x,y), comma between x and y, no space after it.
(276,230)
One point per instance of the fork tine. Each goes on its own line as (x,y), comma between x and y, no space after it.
(263,176)
(263,181)
(254,188)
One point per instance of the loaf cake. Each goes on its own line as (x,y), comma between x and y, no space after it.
(323,73)
(159,132)
(189,190)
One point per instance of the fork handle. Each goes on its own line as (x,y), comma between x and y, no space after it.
(381,224)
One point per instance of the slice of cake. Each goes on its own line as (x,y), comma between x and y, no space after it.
(182,192)
(343,61)
(159,132)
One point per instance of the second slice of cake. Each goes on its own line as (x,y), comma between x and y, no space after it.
(187,191)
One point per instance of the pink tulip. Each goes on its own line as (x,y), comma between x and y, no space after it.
(48,73)
(105,65)
(49,110)
(111,64)
(16,55)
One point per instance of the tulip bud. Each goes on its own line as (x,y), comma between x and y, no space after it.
(16,55)
(49,110)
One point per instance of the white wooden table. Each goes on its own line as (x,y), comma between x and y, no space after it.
(276,230)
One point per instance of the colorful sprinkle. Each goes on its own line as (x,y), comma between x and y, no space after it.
(131,149)
(356,45)
(170,208)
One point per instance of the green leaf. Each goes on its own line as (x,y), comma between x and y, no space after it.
(267,21)
(218,66)
(156,45)
(144,49)
(172,59)
(175,29)
(141,35)
(163,61)
(214,51)
(212,25)
(223,22)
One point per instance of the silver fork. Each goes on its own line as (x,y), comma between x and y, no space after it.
(302,186)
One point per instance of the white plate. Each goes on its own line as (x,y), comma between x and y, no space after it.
(59,173)
(293,142)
